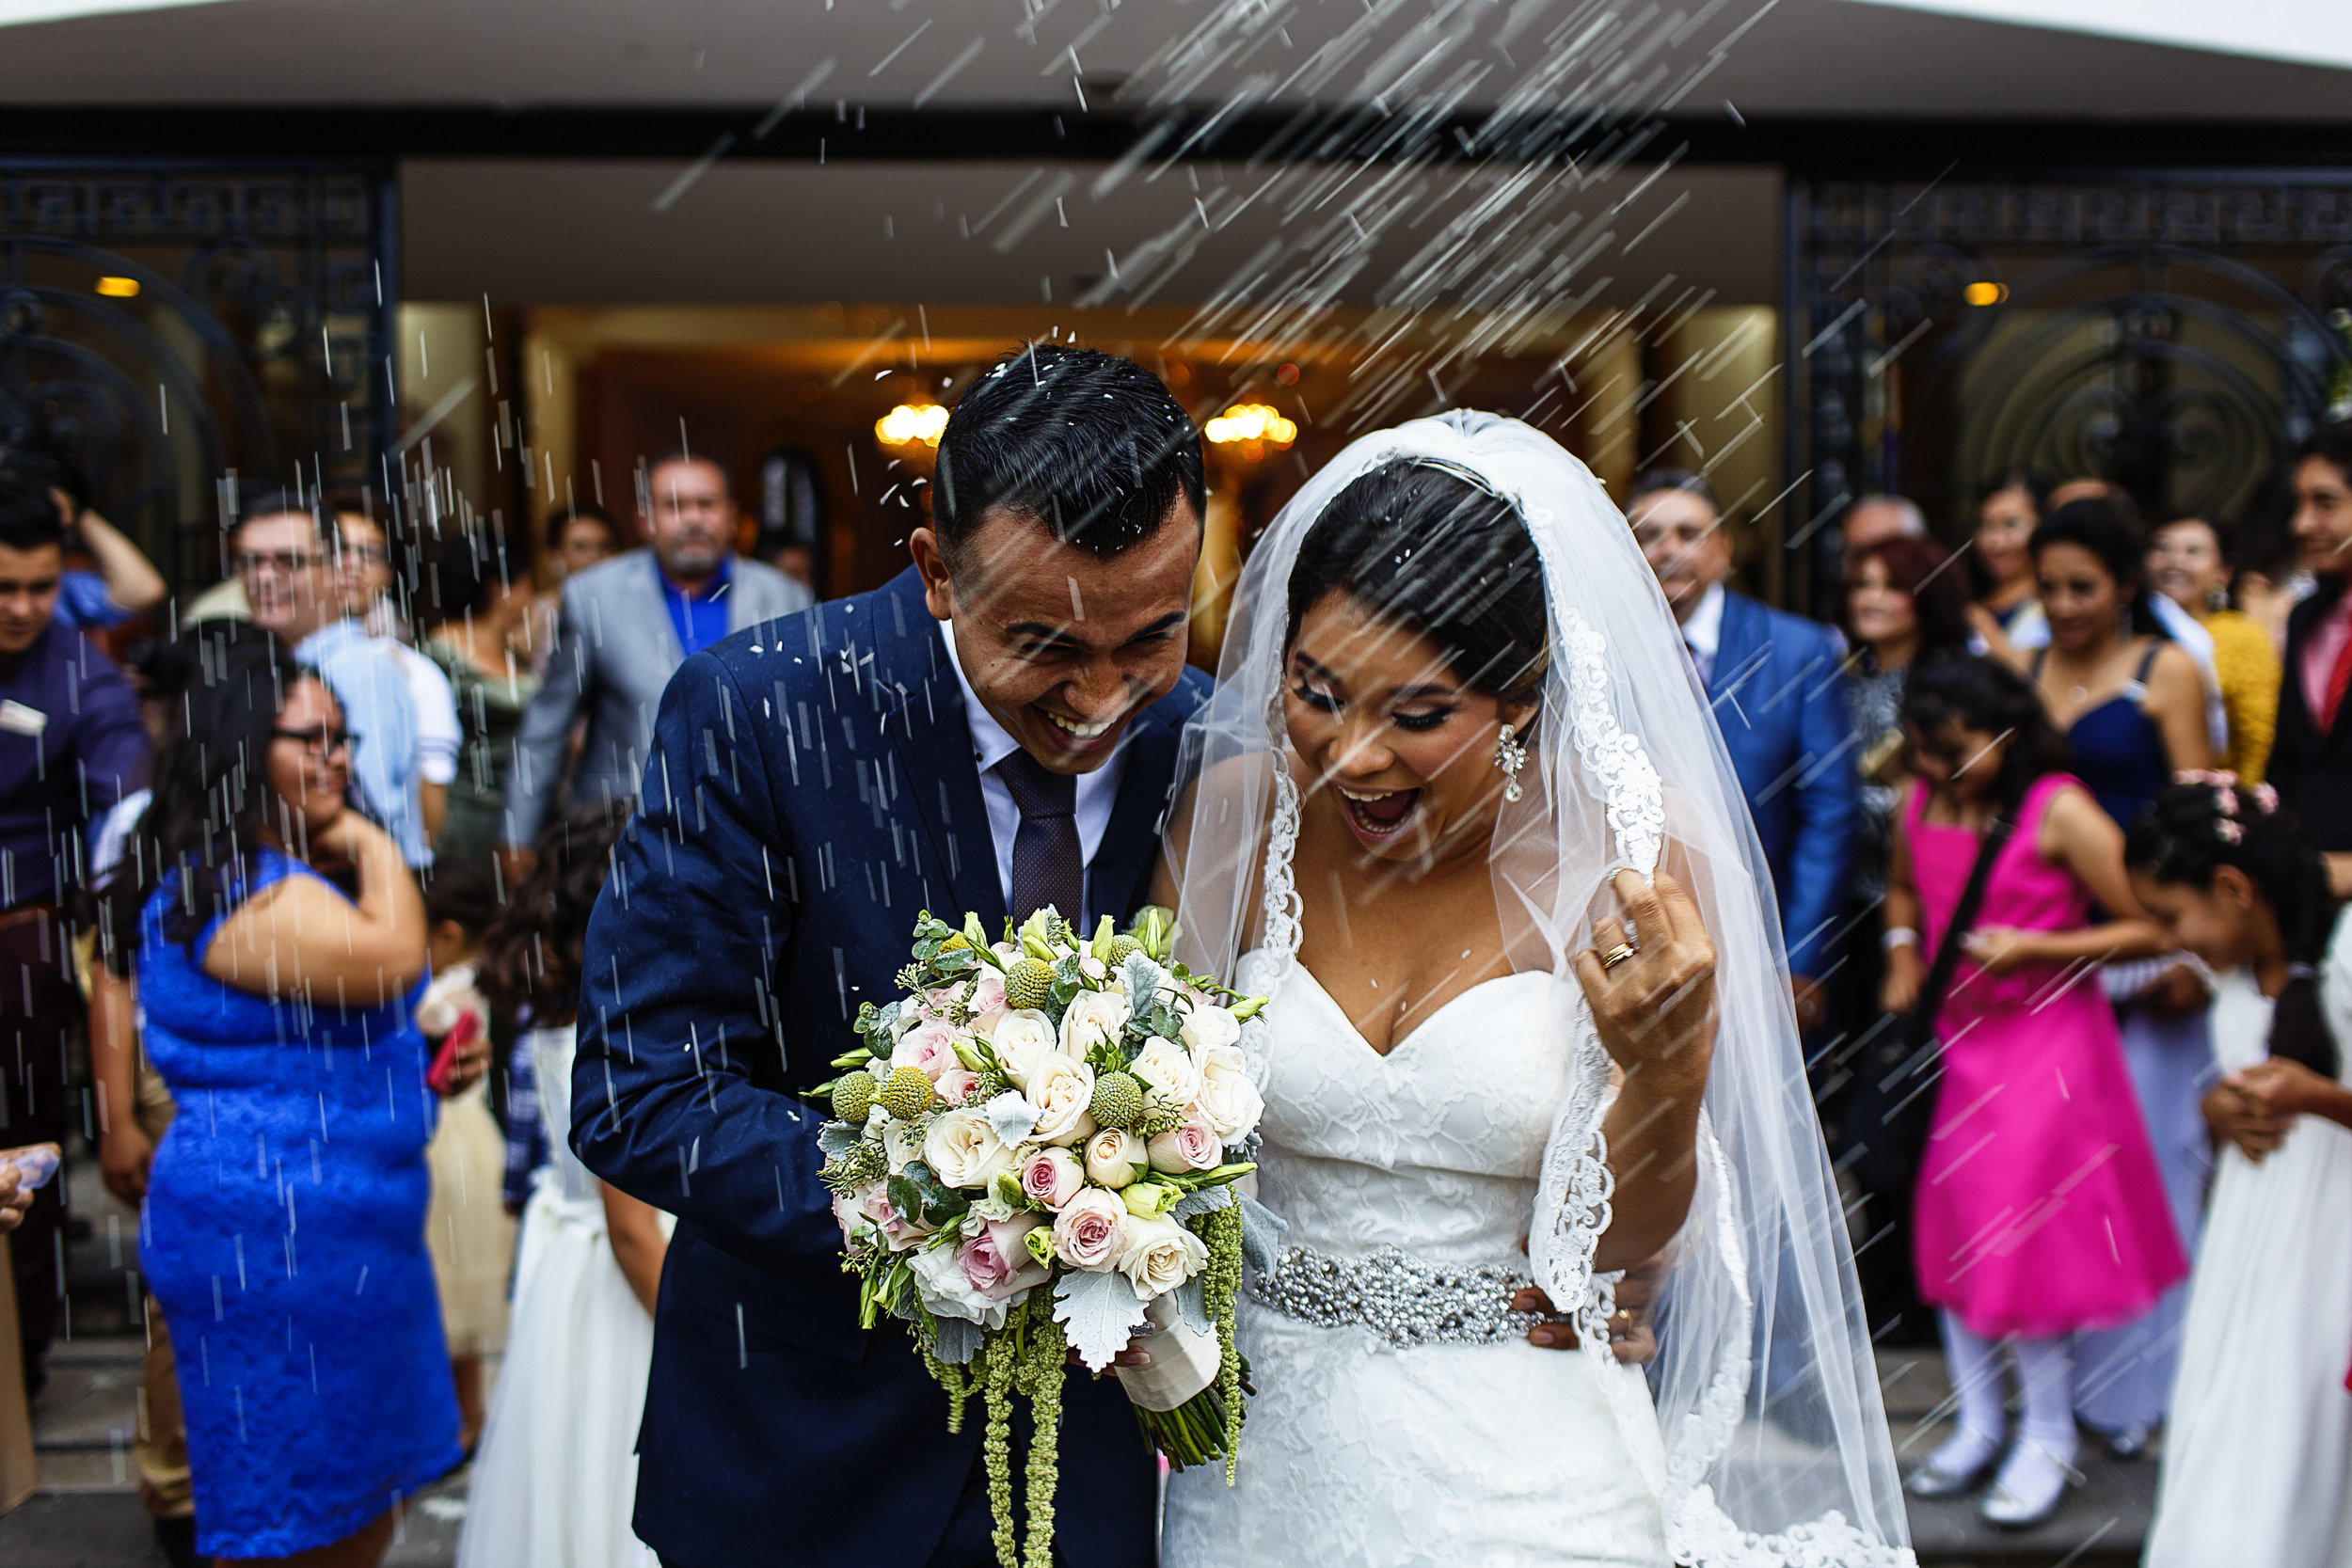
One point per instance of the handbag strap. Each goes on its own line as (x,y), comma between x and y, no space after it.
(1921,1025)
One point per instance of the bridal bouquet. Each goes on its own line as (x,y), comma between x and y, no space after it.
(1031,1156)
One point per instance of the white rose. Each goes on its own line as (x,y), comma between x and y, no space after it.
(1228,1098)
(964,1150)
(1095,1018)
(1167,1073)
(1208,1026)
(902,1141)
(1112,1156)
(1022,1040)
(1156,1256)
(1060,1089)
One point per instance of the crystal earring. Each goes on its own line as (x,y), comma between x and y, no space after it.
(1510,756)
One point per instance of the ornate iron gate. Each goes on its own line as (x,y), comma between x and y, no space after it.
(184,328)
(2176,334)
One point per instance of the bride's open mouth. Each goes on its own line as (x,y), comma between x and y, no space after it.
(1380,818)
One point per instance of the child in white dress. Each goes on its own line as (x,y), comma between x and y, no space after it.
(2260,1445)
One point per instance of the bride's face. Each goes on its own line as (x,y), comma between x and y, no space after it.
(1400,747)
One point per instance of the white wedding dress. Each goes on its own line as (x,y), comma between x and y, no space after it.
(1361,1452)
(555,1479)
(2258,1456)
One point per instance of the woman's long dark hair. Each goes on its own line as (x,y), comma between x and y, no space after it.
(2107,526)
(2194,830)
(1985,695)
(530,957)
(213,807)
(1419,544)
(1939,595)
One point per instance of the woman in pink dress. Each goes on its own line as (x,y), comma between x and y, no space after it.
(2041,1209)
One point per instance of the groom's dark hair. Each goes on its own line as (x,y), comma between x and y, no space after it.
(1087,445)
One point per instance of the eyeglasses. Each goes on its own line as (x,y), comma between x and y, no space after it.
(249,563)
(323,743)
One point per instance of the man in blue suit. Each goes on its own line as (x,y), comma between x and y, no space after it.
(994,731)
(1778,688)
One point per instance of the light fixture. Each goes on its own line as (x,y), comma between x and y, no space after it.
(910,425)
(1985,293)
(1250,423)
(119,288)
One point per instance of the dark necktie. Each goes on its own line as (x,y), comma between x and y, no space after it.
(1046,863)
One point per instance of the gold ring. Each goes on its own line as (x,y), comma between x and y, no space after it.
(1617,955)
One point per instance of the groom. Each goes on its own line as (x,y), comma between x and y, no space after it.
(994,731)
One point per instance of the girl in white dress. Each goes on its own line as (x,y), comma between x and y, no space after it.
(1454,725)
(556,1476)
(2258,1456)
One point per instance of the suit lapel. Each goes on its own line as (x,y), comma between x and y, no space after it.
(926,723)
(1737,658)
(660,629)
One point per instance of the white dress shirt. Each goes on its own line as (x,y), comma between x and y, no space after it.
(991,743)
(1703,633)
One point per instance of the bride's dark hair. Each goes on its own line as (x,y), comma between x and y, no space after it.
(1423,544)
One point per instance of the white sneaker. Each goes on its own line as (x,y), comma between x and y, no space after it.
(2031,1485)
(1956,1466)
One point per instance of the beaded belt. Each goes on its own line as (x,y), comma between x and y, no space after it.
(1398,1297)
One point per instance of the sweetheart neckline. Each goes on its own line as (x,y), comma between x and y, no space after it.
(1418,1029)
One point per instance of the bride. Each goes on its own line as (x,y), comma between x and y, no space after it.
(1458,808)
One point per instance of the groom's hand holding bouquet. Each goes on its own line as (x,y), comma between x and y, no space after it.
(1031,1159)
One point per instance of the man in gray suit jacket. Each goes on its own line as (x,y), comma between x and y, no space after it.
(624,628)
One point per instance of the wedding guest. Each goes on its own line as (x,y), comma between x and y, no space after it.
(467,1228)
(556,1476)
(125,583)
(364,564)
(2310,762)
(281,549)
(1779,696)
(2040,1208)
(626,626)
(2006,514)
(2190,563)
(483,645)
(580,536)
(285,1225)
(71,745)
(2260,1437)
(1875,519)
(2132,709)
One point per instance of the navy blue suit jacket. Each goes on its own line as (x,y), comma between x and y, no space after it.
(810,787)
(1778,690)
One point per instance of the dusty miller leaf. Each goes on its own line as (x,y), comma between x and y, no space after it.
(1204,1200)
(836,1138)
(1099,1312)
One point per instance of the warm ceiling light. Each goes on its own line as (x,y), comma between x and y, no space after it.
(1250,421)
(119,288)
(910,424)
(1985,293)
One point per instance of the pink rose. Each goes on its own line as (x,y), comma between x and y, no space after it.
(1086,1231)
(997,1262)
(930,1046)
(872,1206)
(943,1002)
(1052,1177)
(988,991)
(956,1084)
(1191,1145)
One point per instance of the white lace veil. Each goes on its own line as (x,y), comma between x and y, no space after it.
(1775,1448)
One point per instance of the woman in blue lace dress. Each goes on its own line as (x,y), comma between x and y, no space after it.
(284,1226)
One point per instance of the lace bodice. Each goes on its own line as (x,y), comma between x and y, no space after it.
(1435,1148)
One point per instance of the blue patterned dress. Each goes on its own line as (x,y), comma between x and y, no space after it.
(284,1236)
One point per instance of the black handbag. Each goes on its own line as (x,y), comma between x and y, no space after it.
(1885,1130)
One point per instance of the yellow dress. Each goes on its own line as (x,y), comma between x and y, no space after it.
(2247,665)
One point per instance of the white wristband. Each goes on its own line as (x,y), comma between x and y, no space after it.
(1899,936)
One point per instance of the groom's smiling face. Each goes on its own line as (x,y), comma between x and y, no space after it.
(1063,646)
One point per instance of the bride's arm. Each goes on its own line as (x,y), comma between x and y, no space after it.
(1655,1013)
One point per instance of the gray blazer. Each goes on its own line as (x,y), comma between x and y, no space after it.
(615,649)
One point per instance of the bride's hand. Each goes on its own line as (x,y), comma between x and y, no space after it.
(1654,1008)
